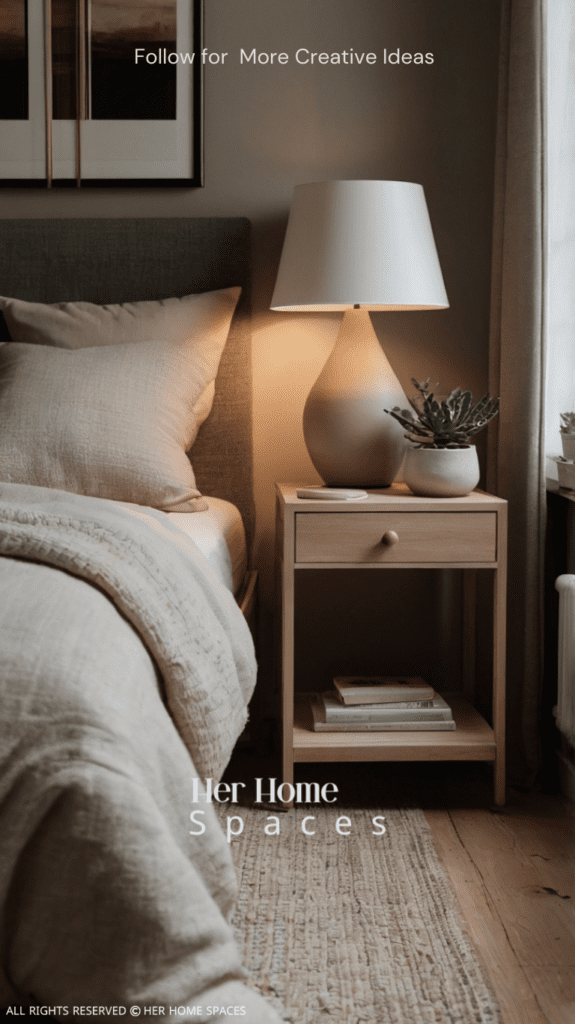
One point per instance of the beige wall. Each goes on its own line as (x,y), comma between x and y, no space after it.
(268,129)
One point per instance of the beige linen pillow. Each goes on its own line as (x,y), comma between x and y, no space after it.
(112,422)
(204,317)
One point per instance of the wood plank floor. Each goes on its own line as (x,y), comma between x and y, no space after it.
(514,874)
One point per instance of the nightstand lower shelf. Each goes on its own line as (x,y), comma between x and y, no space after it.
(472,739)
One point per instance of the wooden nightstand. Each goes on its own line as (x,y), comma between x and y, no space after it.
(467,533)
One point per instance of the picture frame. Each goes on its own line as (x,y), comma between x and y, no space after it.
(78,81)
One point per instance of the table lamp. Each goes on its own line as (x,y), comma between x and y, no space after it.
(357,246)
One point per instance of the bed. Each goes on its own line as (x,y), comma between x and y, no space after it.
(126,661)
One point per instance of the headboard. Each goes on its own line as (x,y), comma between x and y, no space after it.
(125,259)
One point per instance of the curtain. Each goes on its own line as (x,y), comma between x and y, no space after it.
(560,384)
(517,360)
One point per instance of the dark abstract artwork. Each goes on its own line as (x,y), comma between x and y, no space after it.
(115,87)
(86,107)
(118,29)
(13,61)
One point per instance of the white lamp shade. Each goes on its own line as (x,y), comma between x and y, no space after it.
(366,243)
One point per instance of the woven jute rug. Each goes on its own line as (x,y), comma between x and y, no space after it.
(345,929)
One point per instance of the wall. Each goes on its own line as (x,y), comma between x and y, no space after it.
(269,128)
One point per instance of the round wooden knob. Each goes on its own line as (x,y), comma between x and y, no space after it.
(390,538)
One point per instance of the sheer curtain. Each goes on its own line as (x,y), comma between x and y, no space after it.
(532,342)
(560,363)
(517,362)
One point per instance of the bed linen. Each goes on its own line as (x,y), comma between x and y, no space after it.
(114,626)
(199,323)
(219,534)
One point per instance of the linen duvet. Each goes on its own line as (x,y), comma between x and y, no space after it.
(125,670)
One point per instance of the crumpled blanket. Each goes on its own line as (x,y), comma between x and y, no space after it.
(112,628)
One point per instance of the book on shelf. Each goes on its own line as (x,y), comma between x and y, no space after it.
(435,710)
(358,725)
(381,689)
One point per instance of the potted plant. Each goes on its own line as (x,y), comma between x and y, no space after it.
(567,430)
(441,461)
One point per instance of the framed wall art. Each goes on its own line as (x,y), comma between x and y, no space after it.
(101,92)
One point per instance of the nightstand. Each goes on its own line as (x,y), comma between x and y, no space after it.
(393,529)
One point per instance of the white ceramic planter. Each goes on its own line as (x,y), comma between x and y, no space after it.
(566,474)
(568,442)
(441,472)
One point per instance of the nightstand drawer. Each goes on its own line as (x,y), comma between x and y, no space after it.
(421,537)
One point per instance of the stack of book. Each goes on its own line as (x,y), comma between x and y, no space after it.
(380,704)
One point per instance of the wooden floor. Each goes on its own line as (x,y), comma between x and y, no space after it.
(514,874)
(512,868)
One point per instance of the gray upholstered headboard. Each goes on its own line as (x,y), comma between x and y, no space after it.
(123,260)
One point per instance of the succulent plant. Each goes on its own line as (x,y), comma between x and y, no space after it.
(449,423)
(567,422)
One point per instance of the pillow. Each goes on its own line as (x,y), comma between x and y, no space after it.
(112,420)
(206,317)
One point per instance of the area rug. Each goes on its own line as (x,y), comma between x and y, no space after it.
(343,929)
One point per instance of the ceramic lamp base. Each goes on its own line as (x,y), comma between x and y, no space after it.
(351,441)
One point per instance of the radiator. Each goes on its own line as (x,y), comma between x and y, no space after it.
(566,669)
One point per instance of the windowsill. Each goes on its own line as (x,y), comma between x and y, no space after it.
(553,488)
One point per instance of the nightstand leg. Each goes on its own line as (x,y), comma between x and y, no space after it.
(285,562)
(499,641)
(287,696)
(468,653)
(287,762)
